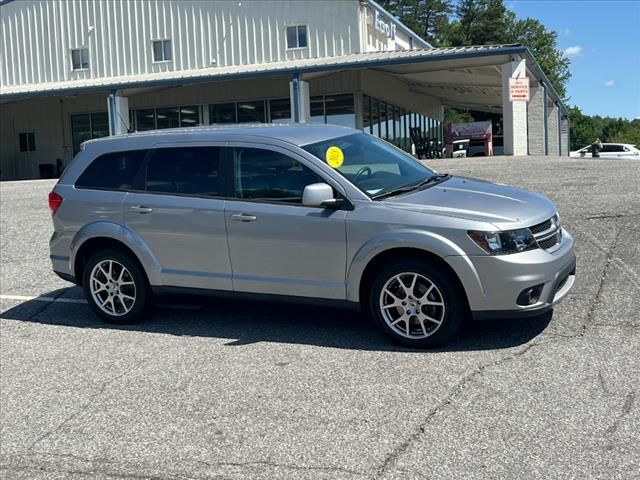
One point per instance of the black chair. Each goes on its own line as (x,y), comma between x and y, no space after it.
(421,144)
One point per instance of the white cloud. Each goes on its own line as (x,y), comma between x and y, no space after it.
(566,32)
(574,51)
(609,83)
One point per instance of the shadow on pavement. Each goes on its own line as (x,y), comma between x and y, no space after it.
(246,321)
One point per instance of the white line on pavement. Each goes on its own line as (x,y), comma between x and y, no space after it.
(42,299)
(25,298)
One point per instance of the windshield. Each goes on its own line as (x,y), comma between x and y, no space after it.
(372,165)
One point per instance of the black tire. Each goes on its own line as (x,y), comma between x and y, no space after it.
(454,300)
(135,274)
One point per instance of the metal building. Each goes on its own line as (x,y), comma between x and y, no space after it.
(73,70)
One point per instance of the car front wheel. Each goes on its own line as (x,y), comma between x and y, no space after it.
(416,304)
(115,287)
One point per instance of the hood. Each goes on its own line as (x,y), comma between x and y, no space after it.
(504,206)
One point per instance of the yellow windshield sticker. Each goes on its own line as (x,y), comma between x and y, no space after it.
(335,157)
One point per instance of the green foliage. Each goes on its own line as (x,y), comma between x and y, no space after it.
(543,44)
(454,115)
(483,22)
(585,129)
(479,22)
(428,18)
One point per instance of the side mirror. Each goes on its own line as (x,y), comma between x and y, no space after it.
(319,195)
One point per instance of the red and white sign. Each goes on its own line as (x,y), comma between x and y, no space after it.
(470,131)
(519,89)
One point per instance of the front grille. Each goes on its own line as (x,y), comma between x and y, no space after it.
(548,243)
(548,233)
(541,227)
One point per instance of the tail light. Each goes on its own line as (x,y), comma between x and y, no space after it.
(55,201)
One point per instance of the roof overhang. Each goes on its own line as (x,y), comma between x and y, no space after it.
(468,77)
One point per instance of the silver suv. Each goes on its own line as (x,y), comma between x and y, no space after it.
(307,213)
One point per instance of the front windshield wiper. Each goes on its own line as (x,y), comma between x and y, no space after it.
(432,180)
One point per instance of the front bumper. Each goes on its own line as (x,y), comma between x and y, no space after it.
(497,281)
(558,290)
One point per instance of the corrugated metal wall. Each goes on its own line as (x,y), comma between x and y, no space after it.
(49,119)
(37,36)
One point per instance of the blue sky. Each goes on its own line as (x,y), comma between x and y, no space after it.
(602,39)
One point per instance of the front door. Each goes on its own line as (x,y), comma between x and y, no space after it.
(178,212)
(276,244)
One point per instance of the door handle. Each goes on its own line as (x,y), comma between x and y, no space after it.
(244,217)
(141,209)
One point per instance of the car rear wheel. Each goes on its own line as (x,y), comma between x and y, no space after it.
(416,304)
(115,287)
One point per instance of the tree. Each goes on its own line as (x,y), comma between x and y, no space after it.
(483,22)
(480,22)
(543,44)
(585,129)
(428,18)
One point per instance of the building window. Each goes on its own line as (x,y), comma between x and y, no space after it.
(297,36)
(27,141)
(80,58)
(280,110)
(222,113)
(169,117)
(162,50)
(251,112)
(190,116)
(375,117)
(340,110)
(317,110)
(145,120)
(85,126)
(366,113)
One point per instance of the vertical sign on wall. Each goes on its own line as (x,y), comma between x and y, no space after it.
(519,89)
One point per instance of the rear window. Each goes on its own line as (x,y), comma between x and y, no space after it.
(112,171)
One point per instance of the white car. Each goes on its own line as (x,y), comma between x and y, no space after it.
(610,150)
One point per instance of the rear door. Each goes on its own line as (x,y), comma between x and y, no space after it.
(276,244)
(177,208)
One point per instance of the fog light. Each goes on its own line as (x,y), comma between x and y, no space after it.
(529,296)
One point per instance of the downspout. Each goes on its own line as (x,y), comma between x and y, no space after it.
(112,112)
(559,130)
(296,97)
(546,119)
(568,136)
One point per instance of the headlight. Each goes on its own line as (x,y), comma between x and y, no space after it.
(502,243)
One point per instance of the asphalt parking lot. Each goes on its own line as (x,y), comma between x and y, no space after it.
(235,389)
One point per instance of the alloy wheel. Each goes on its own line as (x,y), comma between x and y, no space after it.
(112,288)
(412,305)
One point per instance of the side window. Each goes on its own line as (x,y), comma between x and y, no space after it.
(267,175)
(612,148)
(185,170)
(112,171)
